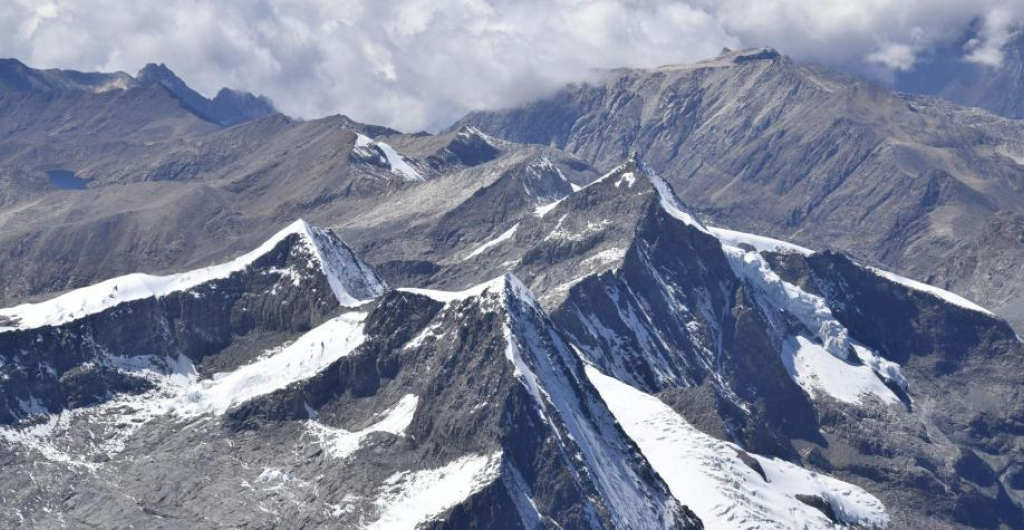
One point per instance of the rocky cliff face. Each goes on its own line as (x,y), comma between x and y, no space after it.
(797,151)
(756,342)
(465,409)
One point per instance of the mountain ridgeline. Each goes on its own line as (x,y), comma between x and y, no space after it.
(613,363)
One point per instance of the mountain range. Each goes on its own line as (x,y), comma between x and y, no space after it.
(555,316)
(801,152)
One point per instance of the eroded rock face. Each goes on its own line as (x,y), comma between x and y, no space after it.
(476,395)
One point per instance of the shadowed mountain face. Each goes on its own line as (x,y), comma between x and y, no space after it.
(728,330)
(761,143)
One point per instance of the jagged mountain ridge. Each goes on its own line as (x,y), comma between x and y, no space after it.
(152,172)
(229,107)
(69,349)
(608,483)
(712,349)
(801,152)
(562,248)
(684,284)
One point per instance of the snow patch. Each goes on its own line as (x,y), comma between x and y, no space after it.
(671,204)
(501,284)
(839,377)
(816,371)
(398,164)
(270,475)
(761,243)
(300,360)
(947,296)
(407,499)
(340,443)
(505,236)
(543,209)
(604,257)
(810,310)
(453,296)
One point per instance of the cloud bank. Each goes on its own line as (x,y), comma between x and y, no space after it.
(419,64)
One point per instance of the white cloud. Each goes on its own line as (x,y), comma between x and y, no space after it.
(1000,25)
(418,64)
(407,63)
(891,33)
(893,55)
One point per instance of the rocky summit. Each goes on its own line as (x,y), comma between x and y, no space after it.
(557,316)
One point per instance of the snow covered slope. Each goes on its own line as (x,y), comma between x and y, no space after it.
(722,489)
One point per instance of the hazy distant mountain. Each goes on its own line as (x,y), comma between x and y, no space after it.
(760,142)
(947,74)
(228,107)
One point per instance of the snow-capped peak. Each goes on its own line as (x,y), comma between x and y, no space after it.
(350,279)
(669,201)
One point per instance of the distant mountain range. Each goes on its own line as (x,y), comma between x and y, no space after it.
(228,107)
(554,316)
